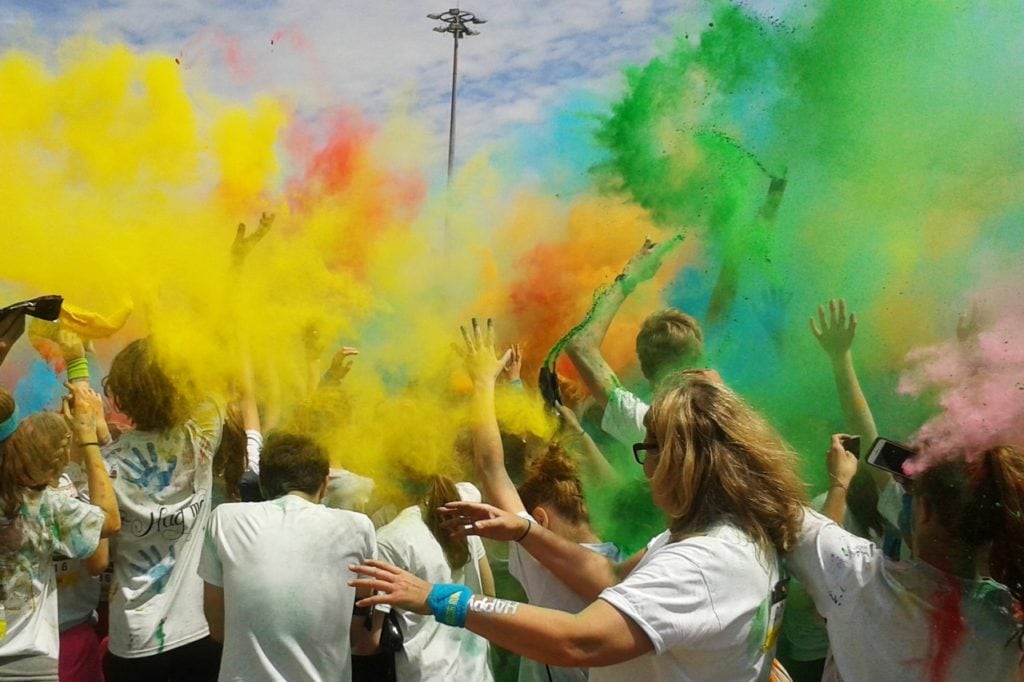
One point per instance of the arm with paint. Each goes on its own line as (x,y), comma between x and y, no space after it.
(596,467)
(585,347)
(835,336)
(599,635)
(488,455)
(84,410)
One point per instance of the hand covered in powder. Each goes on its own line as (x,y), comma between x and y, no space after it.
(243,244)
(837,331)
(481,363)
(644,264)
(395,587)
(514,367)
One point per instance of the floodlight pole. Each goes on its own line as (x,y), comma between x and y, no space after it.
(455,20)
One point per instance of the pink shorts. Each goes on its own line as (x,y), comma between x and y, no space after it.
(80,654)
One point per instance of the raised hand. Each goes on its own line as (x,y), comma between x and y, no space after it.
(243,244)
(481,363)
(841,463)
(341,364)
(836,332)
(472,518)
(514,366)
(644,264)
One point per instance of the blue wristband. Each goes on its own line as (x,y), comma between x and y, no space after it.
(449,603)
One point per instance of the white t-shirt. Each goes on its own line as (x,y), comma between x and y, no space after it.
(706,604)
(433,652)
(164,488)
(902,620)
(544,589)
(283,566)
(623,417)
(78,591)
(49,523)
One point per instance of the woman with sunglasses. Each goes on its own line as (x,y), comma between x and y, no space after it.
(702,602)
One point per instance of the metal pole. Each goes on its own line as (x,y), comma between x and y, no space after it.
(451,125)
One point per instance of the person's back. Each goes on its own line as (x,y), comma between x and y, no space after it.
(934,617)
(433,652)
(283,565)
(164,486)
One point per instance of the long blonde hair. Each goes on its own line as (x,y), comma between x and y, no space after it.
(721,461)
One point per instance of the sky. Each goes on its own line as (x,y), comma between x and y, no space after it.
(382,57)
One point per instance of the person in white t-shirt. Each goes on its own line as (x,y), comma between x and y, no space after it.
(164,487)
(551,496)
(702,602)
(668,341)
(276,573)
(934,617)
(38,522)
(432,652)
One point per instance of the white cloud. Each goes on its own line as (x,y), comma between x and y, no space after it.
(528,56)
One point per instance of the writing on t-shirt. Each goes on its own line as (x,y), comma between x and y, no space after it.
(171,524)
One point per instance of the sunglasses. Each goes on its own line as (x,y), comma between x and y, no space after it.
(641,450)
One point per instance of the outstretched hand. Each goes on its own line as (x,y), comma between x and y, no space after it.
(391,585)
(481,363)
(644,264)
(487,521)
(341,364)
(244,244)
(514,367)
(837,331)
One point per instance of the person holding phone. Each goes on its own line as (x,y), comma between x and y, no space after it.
(703,600)
(933,617)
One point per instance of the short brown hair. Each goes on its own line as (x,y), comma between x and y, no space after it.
(720,460)
(290,462)
(142,390)
(668,340)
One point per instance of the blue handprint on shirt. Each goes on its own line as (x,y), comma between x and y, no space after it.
(156,568)
(147,473)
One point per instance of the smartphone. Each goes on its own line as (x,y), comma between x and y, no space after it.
(44,307)
(889,455)
(548,384)
(852,445)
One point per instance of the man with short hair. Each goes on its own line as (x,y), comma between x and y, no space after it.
(276,574)
(669,341)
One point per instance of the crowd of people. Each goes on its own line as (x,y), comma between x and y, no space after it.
(183,543)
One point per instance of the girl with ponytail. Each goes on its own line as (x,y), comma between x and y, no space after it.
(950,613)
(416,541)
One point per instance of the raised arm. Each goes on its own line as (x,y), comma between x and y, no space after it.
(596,468)
(84,410)
(842,467)
(488,455)
(585,348)
(599,635)
(12,326)
(835,334)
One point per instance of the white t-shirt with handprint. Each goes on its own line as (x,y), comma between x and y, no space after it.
(48,523)
(164,485)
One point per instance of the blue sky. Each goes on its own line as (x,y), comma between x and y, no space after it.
(530,57)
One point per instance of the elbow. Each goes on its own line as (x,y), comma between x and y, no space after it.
(217,634)
(111,525)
